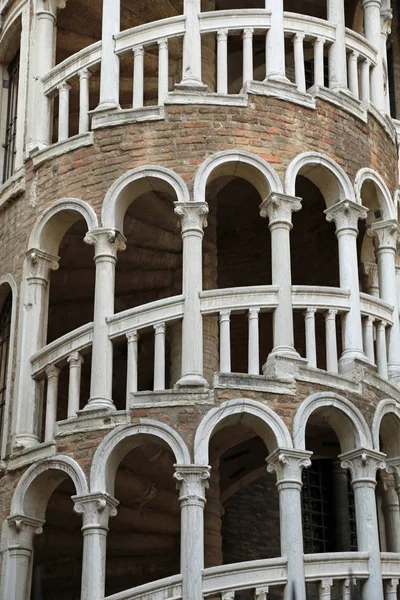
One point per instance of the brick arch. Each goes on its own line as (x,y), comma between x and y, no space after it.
(265,422)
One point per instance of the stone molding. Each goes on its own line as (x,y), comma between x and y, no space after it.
(345,215)
(363,464)
(288,465)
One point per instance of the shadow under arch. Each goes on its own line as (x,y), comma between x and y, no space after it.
(265,422)
(135,183)
(372,191)
(117,444)
(238,163)
(345,419)
(386,428)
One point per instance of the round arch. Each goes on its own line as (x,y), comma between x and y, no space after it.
(241,164)
(8,281)
(346,420)
(389,429)
(266,423)
(384,198)
(122,440)
(133,184)
(325,173)
(55,221)
(39,482)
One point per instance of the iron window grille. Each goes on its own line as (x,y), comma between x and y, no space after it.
(11,123)
(5,326)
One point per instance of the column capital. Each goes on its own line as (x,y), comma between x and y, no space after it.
(248,32)
(346,214)
(107,241)
(279,208)
(363,464)
(370,3)
(24,529)
(288,465)
(385,233)
(132,335)
(75,359)
(52,371)
(393,465)
(386,22)
(163,43)
(84,74)
(192,215)
(192,482)
(96,509)
(41,263)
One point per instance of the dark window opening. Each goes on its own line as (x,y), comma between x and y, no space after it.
(309,71)
(11,124)
(5,326)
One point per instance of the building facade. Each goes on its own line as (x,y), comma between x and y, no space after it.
(199,300)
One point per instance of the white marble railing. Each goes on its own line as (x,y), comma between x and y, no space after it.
(169,588)
(311,39)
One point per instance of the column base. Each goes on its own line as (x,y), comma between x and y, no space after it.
(98,403)
(283,367)
(24,441)
(277,78)
(348,359)
(191,85)
(106,105)
(192,380)
(394,373)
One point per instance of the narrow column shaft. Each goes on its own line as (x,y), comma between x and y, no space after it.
(159,356)
(84,76)
(52,373)
(193,220)
(365,81)
(225,341)
(325,589)
(288,465)
(391,512)
(391,586)
(43,62)
(319,75)
(191,62)
(331,343)
(311,349)
(353,74)
(300,75)
(254,347)
(75,361)
(109,73)
(192,483)
(248,70)
(222,61)
(386,23)
(372,28)
(337,54)
(341,504)
(162,70)
(132,366)
(63,111)
(368,335)
(138,77)
(381,351)
(275,44)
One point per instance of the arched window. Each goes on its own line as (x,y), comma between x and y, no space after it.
(5,327)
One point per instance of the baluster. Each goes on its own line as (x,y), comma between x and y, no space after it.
(225,341)
(368,335)
(63,111)
(159,357)
(319,74)
(132,338)
(228,595)
(311,349)
(331,344)
(248,69)
(347,589)
(261,593)
(254,353)
(391,589)
(366,81)
(84,100)
(300,75)
(138,77)
(162,70)
(381,355)
(52,373)
(353,74)
(222,61)
(75,361)
(325,589)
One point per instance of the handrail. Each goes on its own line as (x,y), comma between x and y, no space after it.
(336,565)
(310,26)
(358,43)
(71,66)
(245,575)
(390,562)
(240,298)
(235,19)
(376,308)
(319,297)
(149,33)
(169,588)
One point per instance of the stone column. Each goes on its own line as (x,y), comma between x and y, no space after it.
(18,571)
(279,208)
(33,328)
(107,243)
(275,44)
(386,234)
(192,483)
(109,73)
(363,465)
(191,63)
(337,53)
(212,520)
(391,512)
(75,362)
(96,509)
(386,27)
(346,215)
(193,217)
(340,492)
(372,28)
(288,465)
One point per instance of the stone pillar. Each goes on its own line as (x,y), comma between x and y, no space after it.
(363,465)
(337,53)
(18,571)
(193,218)
(386,27)
(109,73)
(279,208)
(52,373)
(75,362)
(288,465)
(33,327)
(96,509)
(346,215)
(342,515)
(391,512)
(107,243)
(212,520)
(192,483)
(372,28)
(386,234)
(275,44)
(191,64)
